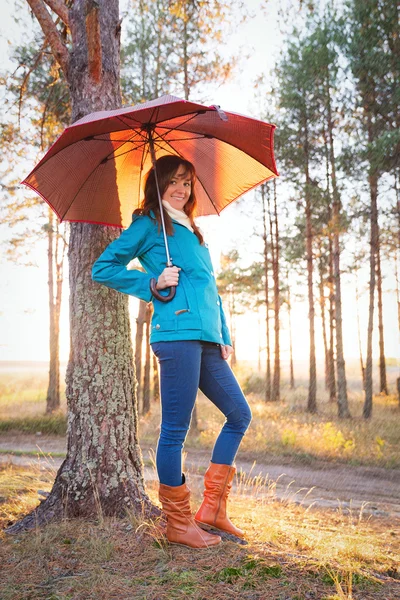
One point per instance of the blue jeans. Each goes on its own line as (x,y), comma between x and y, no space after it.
(186,366)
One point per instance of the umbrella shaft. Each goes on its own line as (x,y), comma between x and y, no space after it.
(153,160)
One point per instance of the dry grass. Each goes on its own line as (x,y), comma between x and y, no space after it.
(277,430)
(287,430)
(293,553)
(24,393)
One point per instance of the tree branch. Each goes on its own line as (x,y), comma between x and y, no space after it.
(26,78)
(60,9)
(49,29)
(93,40)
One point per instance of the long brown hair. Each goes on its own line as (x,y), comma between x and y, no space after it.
(166,167)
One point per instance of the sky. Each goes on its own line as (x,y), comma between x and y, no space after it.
(24,305)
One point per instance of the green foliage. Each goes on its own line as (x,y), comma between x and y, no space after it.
(172,47)
(254,384)
(249,573)
(370,43)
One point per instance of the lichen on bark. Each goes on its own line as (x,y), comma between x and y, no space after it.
(103,469)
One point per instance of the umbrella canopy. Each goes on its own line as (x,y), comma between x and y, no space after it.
(94,171)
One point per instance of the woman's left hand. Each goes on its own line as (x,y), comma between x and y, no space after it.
(226,351)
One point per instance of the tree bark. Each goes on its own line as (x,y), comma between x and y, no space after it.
(362,367)
(146,374)
(103,471)
(323,315)
(50,30)
(292,383)
(373,185)
(186,84)
(266,292)
(53,390)
(343,405)
(232,322)
(276,383)
(156,383)
(383,388)
(140,322)
(332,375)
(60,9)
(329,357)
(312,386)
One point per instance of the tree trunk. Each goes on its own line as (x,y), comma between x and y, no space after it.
(146,377)
(396,258)
(292,385)
(373,184)
(323,316)
(359,334)
(382,361)
(53,390)
(232,312)
(332,376)
(396,267)
(156,383)
(276,384)
(329,354)
(186,84)
(140,321)
(343,405)
(259,342)
(103,471)
(266,291)
(312,387)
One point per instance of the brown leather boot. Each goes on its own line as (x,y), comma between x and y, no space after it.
(181,527)
(217,485)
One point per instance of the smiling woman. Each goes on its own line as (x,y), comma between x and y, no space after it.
(179,189)
(190,339)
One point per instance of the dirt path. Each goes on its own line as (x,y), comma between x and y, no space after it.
(374,490)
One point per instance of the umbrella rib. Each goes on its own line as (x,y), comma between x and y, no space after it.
(112,155)
(169,129)
(114,140)
(119,118)
(143,140)
(158,123)
(198,137)
(103,160)
(144,155)
(79,189)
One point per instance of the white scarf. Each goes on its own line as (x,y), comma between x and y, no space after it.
(177,215)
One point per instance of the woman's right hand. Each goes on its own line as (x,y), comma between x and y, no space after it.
(169,277)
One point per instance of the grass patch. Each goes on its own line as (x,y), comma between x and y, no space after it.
(287,430)
(293,553)
(24,392)
(33,453)
(55,424)
(282,429)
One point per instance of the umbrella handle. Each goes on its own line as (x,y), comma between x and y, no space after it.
(159,296)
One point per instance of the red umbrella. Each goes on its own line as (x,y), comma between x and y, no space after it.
(94,171)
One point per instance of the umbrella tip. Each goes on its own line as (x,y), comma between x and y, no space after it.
(222,115)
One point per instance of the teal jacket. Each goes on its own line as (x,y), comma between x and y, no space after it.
(196,312)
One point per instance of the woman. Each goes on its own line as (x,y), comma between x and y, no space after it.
(191,340)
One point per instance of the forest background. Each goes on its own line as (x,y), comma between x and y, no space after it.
(252,56)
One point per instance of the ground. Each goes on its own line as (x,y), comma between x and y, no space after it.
(318,498)
(324,484)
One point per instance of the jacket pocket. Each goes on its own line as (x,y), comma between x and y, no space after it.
(183,322)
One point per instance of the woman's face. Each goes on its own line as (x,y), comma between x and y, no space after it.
(179,189)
